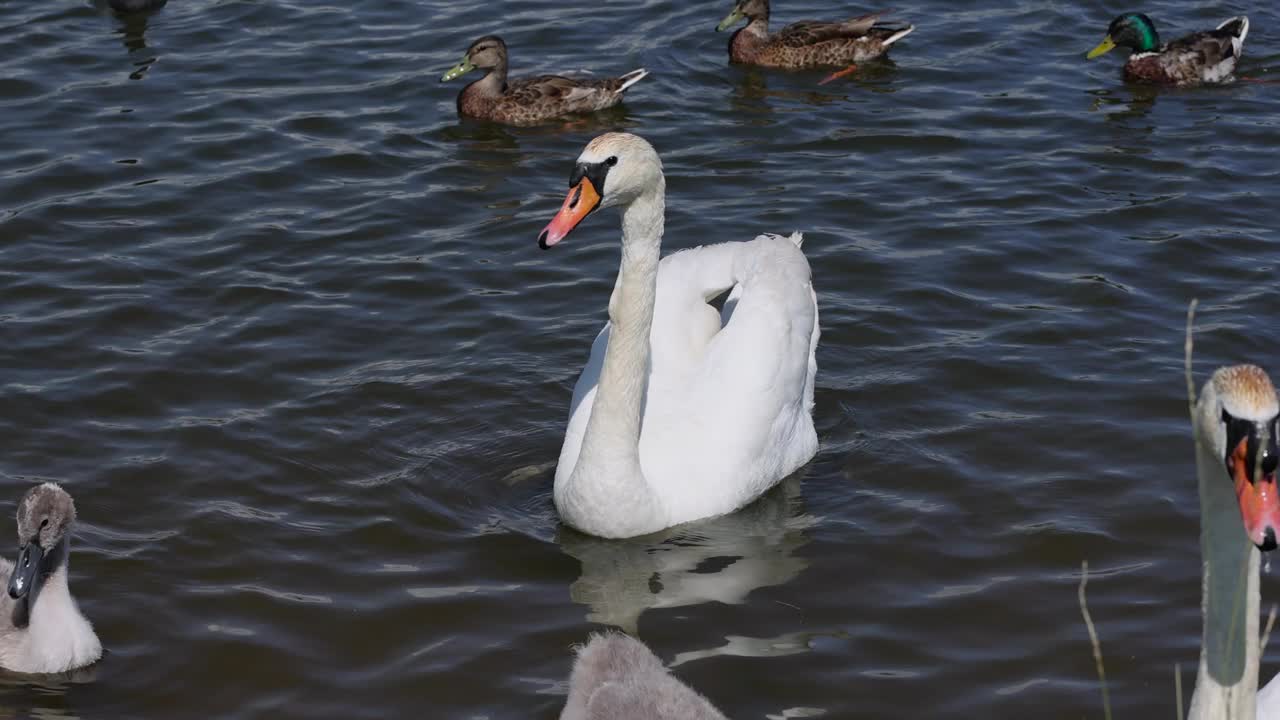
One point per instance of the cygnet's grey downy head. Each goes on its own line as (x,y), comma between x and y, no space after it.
(1238,409)
(45,515)
(614,169)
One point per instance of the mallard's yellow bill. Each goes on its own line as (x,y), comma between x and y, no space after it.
(730,20)
(1106,46)
(461,68)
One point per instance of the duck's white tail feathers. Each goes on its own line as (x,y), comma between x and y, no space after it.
(899,35)
(1242,32)
(1239,29)
(632,78)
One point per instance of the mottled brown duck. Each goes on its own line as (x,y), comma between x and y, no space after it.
(533,100)
(1205,57)
(809,43)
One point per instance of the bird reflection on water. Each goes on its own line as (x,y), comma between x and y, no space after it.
(718,560)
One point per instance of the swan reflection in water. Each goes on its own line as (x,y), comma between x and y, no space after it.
(718,560)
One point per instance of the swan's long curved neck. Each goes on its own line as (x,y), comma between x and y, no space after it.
(1227,680)
(608,477)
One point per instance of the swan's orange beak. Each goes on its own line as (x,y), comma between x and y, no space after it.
(579,203)
(1259,501)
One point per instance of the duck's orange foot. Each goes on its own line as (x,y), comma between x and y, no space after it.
(838,74)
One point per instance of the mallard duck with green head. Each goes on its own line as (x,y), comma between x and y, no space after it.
(533,100)
(1205,57)
(809,43)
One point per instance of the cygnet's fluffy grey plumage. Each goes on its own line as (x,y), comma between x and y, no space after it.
(41,627)
(617,678)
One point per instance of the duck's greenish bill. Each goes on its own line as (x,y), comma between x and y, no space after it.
(462,68)
(730,20)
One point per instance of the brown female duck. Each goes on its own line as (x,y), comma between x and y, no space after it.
(809,43)
(529,101)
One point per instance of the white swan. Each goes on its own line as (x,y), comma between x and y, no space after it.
(681,412)
(1236,457)
(617,678)
(41,628)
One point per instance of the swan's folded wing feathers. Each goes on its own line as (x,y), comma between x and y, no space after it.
(749,396)
(1269,700)
(710,270)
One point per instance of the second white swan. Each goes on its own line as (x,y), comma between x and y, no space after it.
(682,412)
(1235,424)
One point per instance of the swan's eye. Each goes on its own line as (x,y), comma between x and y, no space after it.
(611,161)
(44,523)
(1246,444)
(1270,453)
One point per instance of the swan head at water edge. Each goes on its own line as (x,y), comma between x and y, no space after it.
(45,516)
(614,169)
(1236,419)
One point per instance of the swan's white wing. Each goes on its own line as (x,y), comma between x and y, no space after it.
(737,419)
(683,325)
(727,410)
(1269,700)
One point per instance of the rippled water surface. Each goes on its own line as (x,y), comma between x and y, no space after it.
(278,320)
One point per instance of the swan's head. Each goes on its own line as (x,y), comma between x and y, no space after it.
(45,515)
(1236,418)
(614,169)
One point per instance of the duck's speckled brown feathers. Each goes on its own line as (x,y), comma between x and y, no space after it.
(528,101)
(815,43)
(532,100)
(1208,56)
(812,32)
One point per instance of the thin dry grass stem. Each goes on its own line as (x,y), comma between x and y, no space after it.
(1177,686)
(1186,348)
(1093,638)
(1266,632)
